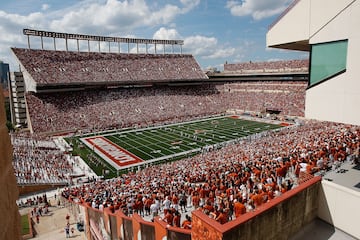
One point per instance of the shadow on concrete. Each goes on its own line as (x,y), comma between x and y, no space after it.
(320,230)
(317,229)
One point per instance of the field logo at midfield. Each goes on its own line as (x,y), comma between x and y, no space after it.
(111,152)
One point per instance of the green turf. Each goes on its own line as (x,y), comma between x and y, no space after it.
(152,143)
(171,141)
(25,226)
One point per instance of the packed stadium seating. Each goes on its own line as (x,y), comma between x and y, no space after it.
(268,67)
(64,67)
(116,108)
(251,172)
(39,161)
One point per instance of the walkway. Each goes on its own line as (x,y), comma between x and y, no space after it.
(52,225)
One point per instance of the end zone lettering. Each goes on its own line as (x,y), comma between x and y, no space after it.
(112,151)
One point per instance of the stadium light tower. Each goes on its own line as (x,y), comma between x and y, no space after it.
(99,39)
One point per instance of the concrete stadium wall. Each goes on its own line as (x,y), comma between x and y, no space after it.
(9,212)
(282,32)
(339,206)
(337,98)
(312,22)
(31,189)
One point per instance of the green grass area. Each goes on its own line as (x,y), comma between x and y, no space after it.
(25,226)
(172,142)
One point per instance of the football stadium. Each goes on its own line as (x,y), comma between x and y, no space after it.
(147,145)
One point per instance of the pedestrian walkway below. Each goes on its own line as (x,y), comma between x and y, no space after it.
(52,225)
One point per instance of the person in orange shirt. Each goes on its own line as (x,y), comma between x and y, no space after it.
(139,206)
(257,199)
(186,224)
(175,201)
(202,195)
(222,218)
(169,217)
(176,219)
(309,168)
(229,192)
(208,206)
(239,208)
(196,201)
(270,193)
(148,203)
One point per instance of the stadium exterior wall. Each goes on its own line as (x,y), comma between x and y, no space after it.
(10,218)
(337,99)
(309,23)
(277,219)
(29,81)
(283,32)
(338,206)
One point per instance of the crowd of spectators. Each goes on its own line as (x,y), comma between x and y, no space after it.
(284,66)
(64,67)
(32,201)
(39,161)
(227,182)
(287,96)
(118,108)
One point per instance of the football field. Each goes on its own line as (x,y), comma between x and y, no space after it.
(135,147)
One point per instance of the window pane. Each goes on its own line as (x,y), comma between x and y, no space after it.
(327,60)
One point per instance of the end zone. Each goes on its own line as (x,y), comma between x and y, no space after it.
(110,152)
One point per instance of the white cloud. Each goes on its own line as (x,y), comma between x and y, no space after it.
(199,46)
(9,20)
(258,9)
(221,53)
(45,7)
(207,47)
(11,26)
(100,18)
(189,4)
(122,16)
(164,33)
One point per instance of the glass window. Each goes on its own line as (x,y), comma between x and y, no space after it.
(327,60)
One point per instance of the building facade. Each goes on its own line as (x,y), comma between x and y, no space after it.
(328,30)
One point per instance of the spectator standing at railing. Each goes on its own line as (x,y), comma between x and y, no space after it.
(186,224)
(177,219)
(239,208)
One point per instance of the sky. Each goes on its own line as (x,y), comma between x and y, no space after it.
(214,31)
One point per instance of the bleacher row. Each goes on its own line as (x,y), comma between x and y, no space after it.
(39,161)
(118,108)
(63,67)
(287,66)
